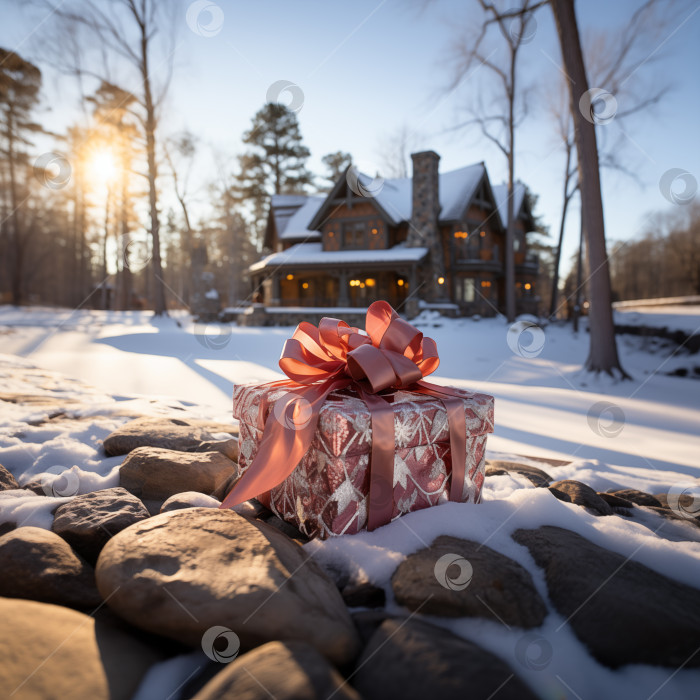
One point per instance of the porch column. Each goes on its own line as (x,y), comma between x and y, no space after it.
(275,290)
(343,298)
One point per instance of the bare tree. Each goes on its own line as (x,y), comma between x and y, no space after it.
(395,151)
(613,60)
(498,122)
(602,356)
(125,30)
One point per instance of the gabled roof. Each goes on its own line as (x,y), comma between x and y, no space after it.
(313,254)
(394,198)
(292,214)
(500,193)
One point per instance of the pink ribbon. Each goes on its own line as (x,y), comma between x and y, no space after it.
(392,354)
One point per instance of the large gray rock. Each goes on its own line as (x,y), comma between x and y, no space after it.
(153,473)
(413,660)
(582,495)
(499,588)
(281,670)
(55,653)
(536,476)
(623,611)
(171,433)
(7,481)
(38,565)
(180,573)
(88,521)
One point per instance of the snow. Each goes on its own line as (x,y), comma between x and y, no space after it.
(674,318)
(640,434)
(313,254)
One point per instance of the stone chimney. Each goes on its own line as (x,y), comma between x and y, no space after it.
(423,229)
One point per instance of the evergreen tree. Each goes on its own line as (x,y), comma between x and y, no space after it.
(336,163)
(275,164)
(20,83)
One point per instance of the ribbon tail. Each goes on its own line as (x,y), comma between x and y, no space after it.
(289,430)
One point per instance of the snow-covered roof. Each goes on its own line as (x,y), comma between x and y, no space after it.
(456,188)
(293,212)
(313,254)
(500,194)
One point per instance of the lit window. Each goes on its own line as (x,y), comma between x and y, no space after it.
(528,286)
(485,283)
(370,282)
(441,280)
(305,285)
(482,233)
(331,234)
(400,283)
(290,277)
(374,231)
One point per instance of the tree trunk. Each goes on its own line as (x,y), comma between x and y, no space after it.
(602,355)
(510,224)
(562,223)
(17,243)
(157,267)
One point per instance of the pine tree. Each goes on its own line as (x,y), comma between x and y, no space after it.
(337,163)
(20,83)
(276,163)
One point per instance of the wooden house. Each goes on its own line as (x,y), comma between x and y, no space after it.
(432,240)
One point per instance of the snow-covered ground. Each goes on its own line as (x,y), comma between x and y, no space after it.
(643,434)
(675,318)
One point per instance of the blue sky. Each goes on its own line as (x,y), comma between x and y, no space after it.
(368,67)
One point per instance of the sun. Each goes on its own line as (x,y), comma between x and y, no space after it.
(102,166)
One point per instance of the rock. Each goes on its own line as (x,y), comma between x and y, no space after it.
(38,565)
(367,622)
(624,612)
(536,476)
(286,528)
(617,503)
(638,497)
(251,509)
(180,573)
(168,433)
(6,527)
(363,595)
(7,481)
(189,499)
(55,653)
(413,660)
(155,473)
(281,670)
(435,581)
(581,495)
(88,521)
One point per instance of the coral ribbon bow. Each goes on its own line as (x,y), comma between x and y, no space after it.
(392,354)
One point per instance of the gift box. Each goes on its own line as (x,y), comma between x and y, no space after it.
(328,492)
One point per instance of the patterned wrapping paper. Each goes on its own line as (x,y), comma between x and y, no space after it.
(327,493)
